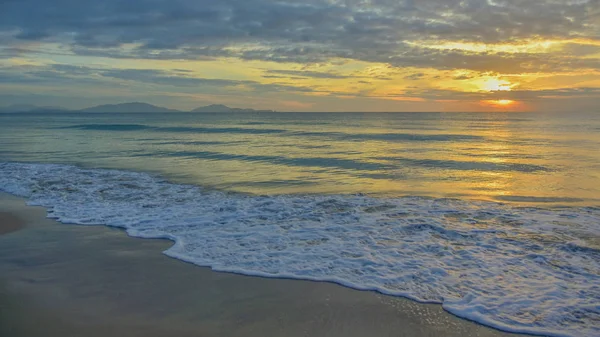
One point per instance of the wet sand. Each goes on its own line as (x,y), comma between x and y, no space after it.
(9,223)
(65,280)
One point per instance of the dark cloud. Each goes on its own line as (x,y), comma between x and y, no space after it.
(520,95)
(414,77)
(164,78)
(307,31)
(554,93)
(68,69)
(55,76)
(283,77)
(75,75)
(183,81)
(581,50)
(160,77)
(308,74)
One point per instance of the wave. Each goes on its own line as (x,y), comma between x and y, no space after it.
(194,143)
(530,199)
(468,165)
(348,164)
(401,137)
(413,137)
(109,127)
(528,270)
(219,130)
(182,129)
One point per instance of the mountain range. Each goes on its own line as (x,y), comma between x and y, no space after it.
(125,108)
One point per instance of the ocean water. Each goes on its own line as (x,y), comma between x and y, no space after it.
(495,216)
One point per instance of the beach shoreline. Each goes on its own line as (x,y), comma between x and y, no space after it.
(96,281)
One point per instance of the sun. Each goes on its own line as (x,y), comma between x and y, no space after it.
(500,103)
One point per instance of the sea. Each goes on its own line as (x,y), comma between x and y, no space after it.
(495,216)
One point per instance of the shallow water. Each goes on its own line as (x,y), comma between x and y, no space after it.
(493,215)
(534,158)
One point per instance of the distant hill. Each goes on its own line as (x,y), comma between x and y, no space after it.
(30,108)
(128,107)
(224,108)
(124,108)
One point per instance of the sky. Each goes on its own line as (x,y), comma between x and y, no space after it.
(311,55)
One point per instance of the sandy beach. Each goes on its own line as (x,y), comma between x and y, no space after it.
(66,280)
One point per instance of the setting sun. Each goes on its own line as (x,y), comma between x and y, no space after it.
(501,103)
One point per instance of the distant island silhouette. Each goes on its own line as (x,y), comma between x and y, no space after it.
(133,107)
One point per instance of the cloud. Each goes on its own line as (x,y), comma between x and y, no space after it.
(580,50)
(518,95)
(161,77)
(308,74)
(306,31)
(327,49)
(414,77)
(182,80)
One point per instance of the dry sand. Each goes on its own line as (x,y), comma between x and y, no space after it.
(75,281)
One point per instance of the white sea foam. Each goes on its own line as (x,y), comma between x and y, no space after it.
(526,270)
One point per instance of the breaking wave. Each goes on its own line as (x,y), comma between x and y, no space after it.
(529,270)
